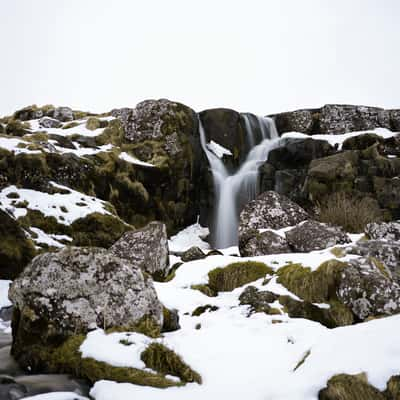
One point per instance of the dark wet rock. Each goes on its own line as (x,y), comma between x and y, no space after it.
(295,153)
(383,230)
(224,127)
(7,363)
(254,243)
(258,300)
(6,313)
(16,250)
(63,114)
(270,211)
(386,251)
(194,253)
(313,235)
(368,288)
(47,122)
(171,320)
(295,121)
(75,290)
(146,248)
(361,142)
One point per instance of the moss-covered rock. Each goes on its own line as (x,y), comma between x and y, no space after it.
(165,361)
(350,387)
(202,309)
(16,250)
(170,320)
(236,274)
(93,123)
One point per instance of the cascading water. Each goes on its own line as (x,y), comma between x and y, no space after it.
(233,191)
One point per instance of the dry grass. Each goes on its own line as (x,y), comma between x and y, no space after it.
(349,212)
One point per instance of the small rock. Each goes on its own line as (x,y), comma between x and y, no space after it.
(47,122)
(63,114)
(312,235)
(255,243)
(194,253)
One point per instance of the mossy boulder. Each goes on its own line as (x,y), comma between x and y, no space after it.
(350,387)
(93,123)
(16,249)
(74,290)
(361,142)
(236,274)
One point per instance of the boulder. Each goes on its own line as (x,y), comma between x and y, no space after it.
(16,249)
(395,120)
(194,253)
(312,235)
(361,142)
(270,210)
(63,114)
(383,230)
(295,121)
(145,248)
(386,251)
(47,122)
(254,243)
(75,290)
(368,289)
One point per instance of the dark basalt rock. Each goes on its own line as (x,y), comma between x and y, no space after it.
(194,253)
(312,235)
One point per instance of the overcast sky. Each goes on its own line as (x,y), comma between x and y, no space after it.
(262,56)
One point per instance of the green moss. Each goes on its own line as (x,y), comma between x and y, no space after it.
(205,289)
(67,359)
(393,388)
(202,309)
(350,387)
(93,123)
(101,230)
(236,274)
(165,361)
(70,125)
(338,252)
(113,133)
(317,286)
(17,128)
(48,224)
(381,266)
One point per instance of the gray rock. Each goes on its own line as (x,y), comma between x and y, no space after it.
(295,121)
(258,300)
(313,235)
(146,248)
(63,114)
(194,253)
(78,289)
(255,243)
(270,210)
(47,122)
(383,230)
(395,120)
(7,363)
(6,313)
(367,288)
(384,250)
(171,320)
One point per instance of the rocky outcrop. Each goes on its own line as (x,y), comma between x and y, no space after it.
(254,243)
(145,248)
(336,119)
(47,122)
(312,235)
(271,210)
(383,230)
(367,288)
(72,291)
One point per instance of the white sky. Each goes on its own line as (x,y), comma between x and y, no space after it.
(262,56)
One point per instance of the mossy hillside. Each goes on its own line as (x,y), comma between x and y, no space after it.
(166,362)
(317,286)
(236,274)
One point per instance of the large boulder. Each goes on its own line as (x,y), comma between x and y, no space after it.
(47,122)
(146,248)
(271,210)
(313,235)
(254,243)
(383,230)
(386,251)
(73,291)
(295,121)
(16,249)
(368,289)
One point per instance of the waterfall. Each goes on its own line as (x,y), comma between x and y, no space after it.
(233,190)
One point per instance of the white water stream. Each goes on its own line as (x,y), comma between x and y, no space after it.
(233,191)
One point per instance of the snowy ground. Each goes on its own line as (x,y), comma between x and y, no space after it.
(241,356)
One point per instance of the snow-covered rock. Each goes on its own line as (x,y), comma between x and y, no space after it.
(383,230)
